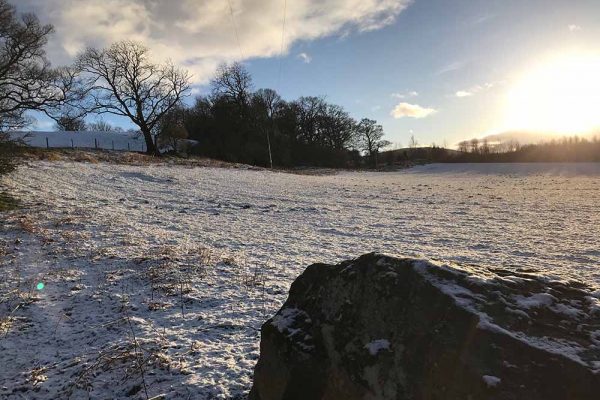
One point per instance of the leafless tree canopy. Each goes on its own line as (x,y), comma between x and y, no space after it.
(103,126)
(122,80)
(27,81)
(232,82)
(269,100)
(68,123)
(369,136)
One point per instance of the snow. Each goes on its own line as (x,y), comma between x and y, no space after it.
(535,300)
(479,304)
(122,248)
(376,346)
(491,381)
(286,319)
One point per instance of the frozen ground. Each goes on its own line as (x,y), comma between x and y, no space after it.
(163,275)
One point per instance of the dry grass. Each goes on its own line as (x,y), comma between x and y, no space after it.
(26,223)
(4,249)
(85,157)
(127,358)
(5,324)
(64,221)
(121,157)
(51,156)
(246,274)
(37,376)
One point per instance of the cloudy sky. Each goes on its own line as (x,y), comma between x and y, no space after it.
(441,70)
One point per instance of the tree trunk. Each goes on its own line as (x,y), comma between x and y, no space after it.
(151,148)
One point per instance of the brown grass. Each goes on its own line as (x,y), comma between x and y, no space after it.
(26,223)
(121,157)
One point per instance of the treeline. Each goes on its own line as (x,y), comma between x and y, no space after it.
(416,155)
(239,124)
(566,149)
(65,123)
(233,123)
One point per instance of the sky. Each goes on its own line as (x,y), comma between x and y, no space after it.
(441,70)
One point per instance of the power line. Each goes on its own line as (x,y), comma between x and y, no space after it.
(278,76)
(235,29)
(282,44)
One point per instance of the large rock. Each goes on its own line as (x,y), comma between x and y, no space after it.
(388,328)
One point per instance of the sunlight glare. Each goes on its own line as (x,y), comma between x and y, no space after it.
(561,95)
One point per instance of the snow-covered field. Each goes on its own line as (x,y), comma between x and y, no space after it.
(179,267)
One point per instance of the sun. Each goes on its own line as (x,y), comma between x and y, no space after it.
(560,95)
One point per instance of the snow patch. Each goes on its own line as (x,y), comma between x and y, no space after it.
(491,381)
(376,346)
(534,301)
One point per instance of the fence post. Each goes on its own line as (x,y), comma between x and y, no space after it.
(47,143)
(113,144)
(95,143)
(72,144)
(128,148)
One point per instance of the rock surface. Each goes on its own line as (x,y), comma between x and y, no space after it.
(389,328)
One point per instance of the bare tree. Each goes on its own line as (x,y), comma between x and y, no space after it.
(413,143)
(71,124)
(485,146)
(337,127)
(27,81)
(233,82)
(463,146)
(267,102)
(103,126)
(370,138)
(474,145)
(122,80)
(270,100)
(309,110)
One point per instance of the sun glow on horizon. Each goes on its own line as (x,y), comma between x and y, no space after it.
(560,95)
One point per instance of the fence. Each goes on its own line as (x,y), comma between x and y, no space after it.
(83,140)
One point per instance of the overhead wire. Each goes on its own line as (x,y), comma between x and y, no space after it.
(282,44)
(235,29)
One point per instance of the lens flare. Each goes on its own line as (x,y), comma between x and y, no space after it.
(40,286)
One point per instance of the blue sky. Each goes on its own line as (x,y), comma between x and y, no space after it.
(451,63)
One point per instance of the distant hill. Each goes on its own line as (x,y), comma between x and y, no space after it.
(528,137)
(419,150)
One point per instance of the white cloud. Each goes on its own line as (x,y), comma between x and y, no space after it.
(473,90)
(464,93)
(411,110)
(405,95)
(200,33)
(574,28)
(305,58)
